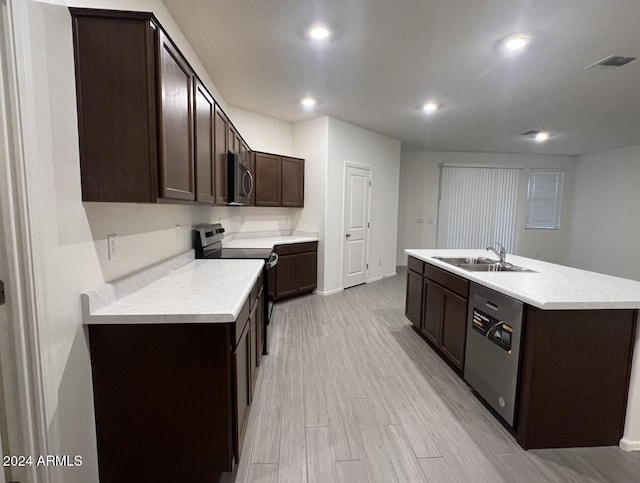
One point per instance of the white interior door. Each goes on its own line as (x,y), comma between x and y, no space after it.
(356,225)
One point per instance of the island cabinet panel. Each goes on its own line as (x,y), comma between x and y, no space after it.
(574,377)
(204,127)
(221,147)
(296,271)
(292,182)
(436,305)
(176,123)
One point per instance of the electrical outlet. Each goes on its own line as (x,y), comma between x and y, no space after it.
(379,261)
(430,221)
(177,233)
(112,247)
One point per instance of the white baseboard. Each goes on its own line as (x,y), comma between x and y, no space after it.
(391,274)
(328,292)
(628,445)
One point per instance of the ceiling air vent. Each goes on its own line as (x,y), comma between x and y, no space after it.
(611,61)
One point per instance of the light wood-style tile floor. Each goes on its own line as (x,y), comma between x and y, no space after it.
(349,393)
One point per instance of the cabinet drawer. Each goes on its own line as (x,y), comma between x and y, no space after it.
(293,248)
(415,265)
(448,280)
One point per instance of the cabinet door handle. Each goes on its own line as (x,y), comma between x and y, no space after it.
(348,235)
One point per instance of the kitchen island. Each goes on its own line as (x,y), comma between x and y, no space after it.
(576,340)
(175,351)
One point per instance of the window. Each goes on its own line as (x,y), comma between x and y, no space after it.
(544,199)
(477,207)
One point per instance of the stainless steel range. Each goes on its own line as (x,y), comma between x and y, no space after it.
(207,242)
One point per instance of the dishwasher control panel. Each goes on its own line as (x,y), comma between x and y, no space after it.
(493,329)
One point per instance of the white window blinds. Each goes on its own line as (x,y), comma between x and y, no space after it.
(544,199)
(477,207)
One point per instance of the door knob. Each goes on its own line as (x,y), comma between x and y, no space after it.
(348,235)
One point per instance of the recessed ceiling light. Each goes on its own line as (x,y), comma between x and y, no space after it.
(319,32)
(308,102)
(515,43)
(430,107)
(542,137)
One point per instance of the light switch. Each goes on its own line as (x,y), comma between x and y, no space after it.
(420,221)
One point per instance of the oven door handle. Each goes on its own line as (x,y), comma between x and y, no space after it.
(273,260)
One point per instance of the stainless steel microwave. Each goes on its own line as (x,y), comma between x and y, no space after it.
(240,181)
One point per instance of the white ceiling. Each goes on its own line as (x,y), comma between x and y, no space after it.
(387,57)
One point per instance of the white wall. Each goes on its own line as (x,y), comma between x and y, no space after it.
(353,144)
(605,229)
(263,133)
(70,241)
(311,142)
(419,181)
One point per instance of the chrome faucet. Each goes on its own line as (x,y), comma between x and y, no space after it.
(501,252)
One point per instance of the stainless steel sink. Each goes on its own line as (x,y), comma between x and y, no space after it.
(466,260)
(482,264)
(496,267)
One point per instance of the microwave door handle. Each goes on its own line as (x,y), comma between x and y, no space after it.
(245,191)
(248,193)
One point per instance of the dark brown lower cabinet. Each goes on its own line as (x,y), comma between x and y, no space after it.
(172,401)
(297,270)
(436,305)
(444,321)
(454,327)
(242,368)
(306,271)
(413,308)
(432,315)
(259,327)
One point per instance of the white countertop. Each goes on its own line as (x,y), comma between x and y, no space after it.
(554,287)
(267,242)
(202,291)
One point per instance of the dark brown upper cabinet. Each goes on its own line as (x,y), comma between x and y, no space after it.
(205,109)
(115,64)
(268,179)
(279,180)
(221,148)
(176,123)
(292,182)
(234,140)
(149,129)
(135,109)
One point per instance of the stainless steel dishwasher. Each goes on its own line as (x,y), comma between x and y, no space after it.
(492,358)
